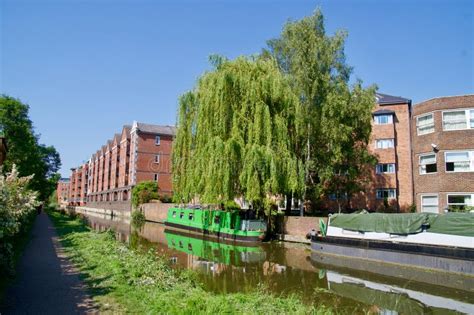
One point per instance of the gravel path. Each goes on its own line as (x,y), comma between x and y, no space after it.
(47,283)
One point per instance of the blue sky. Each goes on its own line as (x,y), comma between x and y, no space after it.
(88,67)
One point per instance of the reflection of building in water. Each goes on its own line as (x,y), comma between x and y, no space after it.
(394,298)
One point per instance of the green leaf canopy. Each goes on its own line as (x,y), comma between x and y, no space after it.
(235,135)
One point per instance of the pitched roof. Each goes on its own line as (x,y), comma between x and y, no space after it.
(162,130)
(385,99)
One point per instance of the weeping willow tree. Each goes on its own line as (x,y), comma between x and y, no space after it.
(236,135)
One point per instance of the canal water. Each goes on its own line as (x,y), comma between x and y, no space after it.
(291,269)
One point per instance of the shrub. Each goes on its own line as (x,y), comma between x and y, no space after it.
(17,208)
(144,192)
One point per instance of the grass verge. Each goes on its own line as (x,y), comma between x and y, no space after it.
(131,281)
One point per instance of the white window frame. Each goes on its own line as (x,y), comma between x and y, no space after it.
(420,165)
(389,120)
(156,177)
(471,160)
(386,189)
(157,140)
(467,114)
(379,168)
(157,158)
(460,194)
(418,126)
(429,195)
(382,148)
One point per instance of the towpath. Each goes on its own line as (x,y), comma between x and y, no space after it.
(47,283)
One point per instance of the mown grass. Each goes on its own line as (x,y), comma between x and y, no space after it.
(122,279)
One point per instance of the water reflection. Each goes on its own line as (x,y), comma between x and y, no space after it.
(286,268)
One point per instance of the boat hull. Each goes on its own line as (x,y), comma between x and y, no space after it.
(444,258)
(218,235)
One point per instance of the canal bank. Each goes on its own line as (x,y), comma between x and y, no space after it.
(288,268)
(294,229)
(139,281)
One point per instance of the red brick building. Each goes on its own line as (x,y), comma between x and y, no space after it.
(141,152)
(390,142)
(62,191)
(443,153)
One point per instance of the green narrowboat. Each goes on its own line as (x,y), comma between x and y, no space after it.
(228,225)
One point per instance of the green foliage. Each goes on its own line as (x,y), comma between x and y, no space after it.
(138,219)
(144,192)
(53,200)
(333,120)
(460,208)
(231,205)
(235,135)
(129,280)
(17,208)
(30,157)
(283,123)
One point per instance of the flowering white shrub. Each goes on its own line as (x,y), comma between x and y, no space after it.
(17,204)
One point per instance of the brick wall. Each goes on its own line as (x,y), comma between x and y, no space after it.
(297,226)
(146,165)
(156,212)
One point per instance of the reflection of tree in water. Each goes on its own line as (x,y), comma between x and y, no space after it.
(278,276)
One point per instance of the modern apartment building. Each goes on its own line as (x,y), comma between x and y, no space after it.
(141,152)
(391,178)
(443,153)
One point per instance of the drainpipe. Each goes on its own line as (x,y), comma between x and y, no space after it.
(413,196)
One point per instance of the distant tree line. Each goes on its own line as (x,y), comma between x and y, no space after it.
(284,122)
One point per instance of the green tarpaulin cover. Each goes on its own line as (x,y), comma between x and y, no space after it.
(454,223)
(406,223)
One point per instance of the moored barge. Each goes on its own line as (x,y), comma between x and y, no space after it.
(228,225)
(440,242)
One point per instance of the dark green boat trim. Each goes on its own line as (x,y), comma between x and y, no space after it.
(212,234)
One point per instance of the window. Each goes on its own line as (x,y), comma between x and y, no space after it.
(425,124)
(386,193)
(181,215)
(384,143)
(383,119)
(429,203)
(174,214)
(156,177)
(338,196)
(460,202)
(427,163)
(385,168)
(191,216)
(459,161)
(157,158)
(458,119)
(157,140)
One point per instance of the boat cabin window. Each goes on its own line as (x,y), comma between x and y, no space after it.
(174,214)
(181,215)
(191,216)
(217,219)
(190,247)
(180,244)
